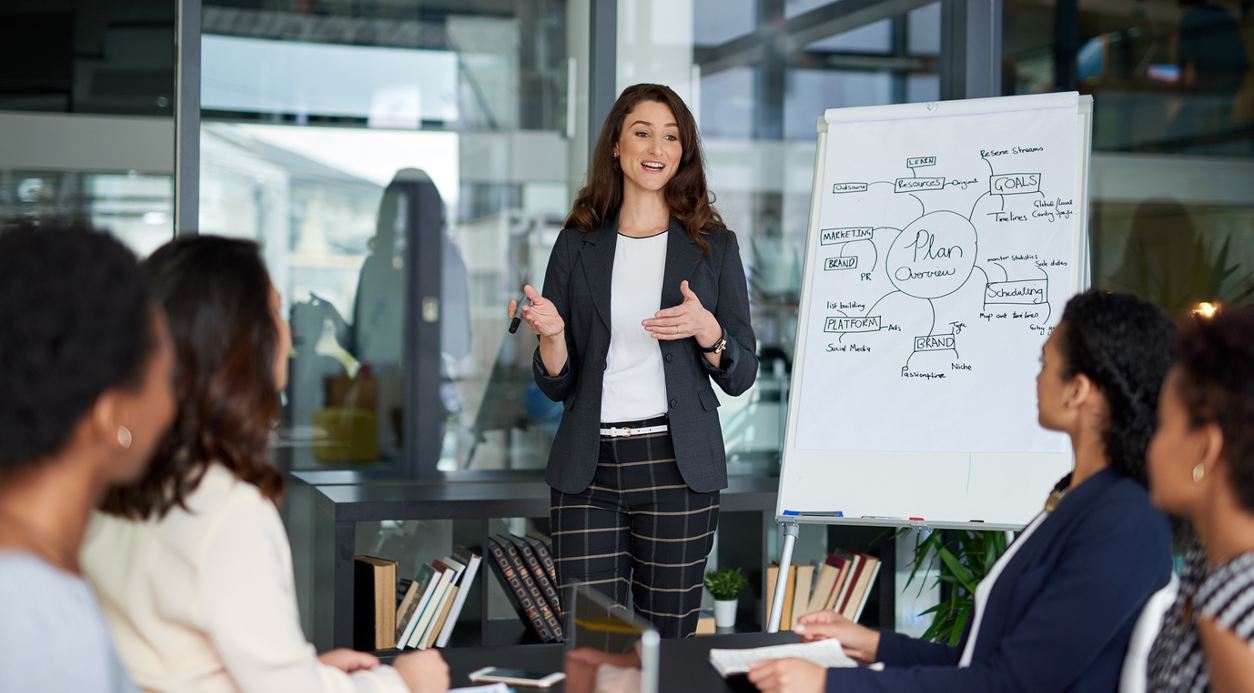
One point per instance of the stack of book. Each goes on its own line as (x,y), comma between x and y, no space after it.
(841,583)
(428,609)
(529,576)
(428,612)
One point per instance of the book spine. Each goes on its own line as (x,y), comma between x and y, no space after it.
(363,606)
(527,610)
(772,575)
(433,633)
(541,577)
(851,583)
(866,593)
(385,607)
(801,597)
(546,558)
(467,580)
(786,615)
(551,622)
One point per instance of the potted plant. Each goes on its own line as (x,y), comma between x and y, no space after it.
(725,585)
(962,558)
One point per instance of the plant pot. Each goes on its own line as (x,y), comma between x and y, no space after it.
(725,613)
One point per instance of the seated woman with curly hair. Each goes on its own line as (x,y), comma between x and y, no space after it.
(1057,610)
(1201,468)
(85,366)
(191,562)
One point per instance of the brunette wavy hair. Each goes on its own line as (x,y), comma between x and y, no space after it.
(216,295)
(689,199)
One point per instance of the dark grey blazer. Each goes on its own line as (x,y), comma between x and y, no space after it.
(578,283)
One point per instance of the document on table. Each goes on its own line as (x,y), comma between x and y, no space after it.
(825,653)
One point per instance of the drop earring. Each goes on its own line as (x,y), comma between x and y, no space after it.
(124,437)
(1198,472)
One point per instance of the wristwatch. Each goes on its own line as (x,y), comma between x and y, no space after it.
(718,346)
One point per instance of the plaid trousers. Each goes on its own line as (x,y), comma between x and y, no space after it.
(638,528)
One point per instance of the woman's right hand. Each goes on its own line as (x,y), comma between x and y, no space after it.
(423,672)
(541,316)
(859,642)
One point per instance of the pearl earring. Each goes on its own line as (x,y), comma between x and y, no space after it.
(1198,472)
(124,437)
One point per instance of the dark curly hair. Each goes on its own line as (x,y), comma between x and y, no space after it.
(75,322)
(687,195)
(1216,383)
(216,294)
(1124,345)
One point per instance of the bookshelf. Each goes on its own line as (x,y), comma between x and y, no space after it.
(323,508)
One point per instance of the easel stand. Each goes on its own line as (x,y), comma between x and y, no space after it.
(790,530)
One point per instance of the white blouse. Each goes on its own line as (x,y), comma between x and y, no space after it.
(986,585)
(205,600)
(634,385)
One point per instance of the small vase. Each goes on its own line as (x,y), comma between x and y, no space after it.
(725,613)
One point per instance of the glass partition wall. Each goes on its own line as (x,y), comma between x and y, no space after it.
(87,114)
(406,167)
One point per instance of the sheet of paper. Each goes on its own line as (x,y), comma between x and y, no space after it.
(825,653)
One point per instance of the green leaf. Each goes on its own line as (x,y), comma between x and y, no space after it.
(991,551)
(922,549)
(960,624)
(956,567)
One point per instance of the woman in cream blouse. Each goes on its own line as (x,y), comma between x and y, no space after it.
(191,562)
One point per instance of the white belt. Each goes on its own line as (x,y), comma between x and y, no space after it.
(616,432)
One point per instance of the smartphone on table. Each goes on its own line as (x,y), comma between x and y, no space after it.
(516,677)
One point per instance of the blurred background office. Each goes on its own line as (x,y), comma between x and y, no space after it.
(407,164)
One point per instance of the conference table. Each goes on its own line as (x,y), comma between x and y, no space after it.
(685,663)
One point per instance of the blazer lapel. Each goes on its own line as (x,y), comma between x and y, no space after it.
(681,256)
(1062,517)
(1042,540)
(597,258)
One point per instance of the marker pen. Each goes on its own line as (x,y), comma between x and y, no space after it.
(513,324)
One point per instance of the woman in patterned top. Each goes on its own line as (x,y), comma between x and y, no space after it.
(1201,467)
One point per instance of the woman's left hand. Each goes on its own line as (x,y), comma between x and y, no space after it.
(688,319)
(787,676)
(348,661)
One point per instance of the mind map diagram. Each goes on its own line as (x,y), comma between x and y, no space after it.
(934,257)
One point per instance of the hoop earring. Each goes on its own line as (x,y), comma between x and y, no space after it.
(124,437)
(1198,472)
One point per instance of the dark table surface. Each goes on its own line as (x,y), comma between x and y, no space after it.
(685,663)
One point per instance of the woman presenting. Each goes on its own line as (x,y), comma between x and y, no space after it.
(645,303)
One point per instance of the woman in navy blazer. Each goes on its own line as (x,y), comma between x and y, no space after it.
(1056,612)
(645,308)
